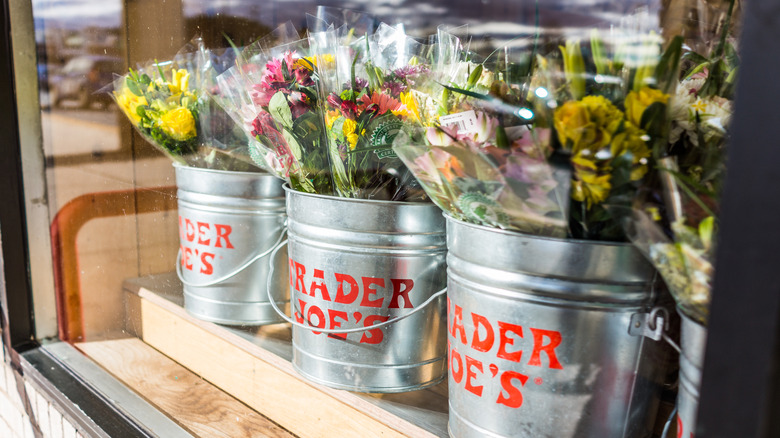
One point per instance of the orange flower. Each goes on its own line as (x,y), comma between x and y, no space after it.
(451,169)
(383,101)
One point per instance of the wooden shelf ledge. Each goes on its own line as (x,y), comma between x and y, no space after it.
(253,365)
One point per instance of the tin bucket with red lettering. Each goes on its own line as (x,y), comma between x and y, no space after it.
(229,222)
(367,284)
(693,339)
(539,337)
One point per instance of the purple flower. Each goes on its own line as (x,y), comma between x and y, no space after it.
(395,88)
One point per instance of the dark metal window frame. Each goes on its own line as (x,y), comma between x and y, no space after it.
(93,412)
(739,394)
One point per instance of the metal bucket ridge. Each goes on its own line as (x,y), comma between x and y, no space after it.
(539,337)
(355,267)
(229,222)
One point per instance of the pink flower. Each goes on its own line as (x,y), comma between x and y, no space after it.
(441,136)
(485,128)
(347,108)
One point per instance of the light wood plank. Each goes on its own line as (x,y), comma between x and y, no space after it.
(262,380)
(195,404)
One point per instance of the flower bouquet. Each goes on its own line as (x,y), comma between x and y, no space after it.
(167,102)
(371,89)
(272,93)
(542,138)
(676,222)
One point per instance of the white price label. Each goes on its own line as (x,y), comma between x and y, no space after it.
(465,121)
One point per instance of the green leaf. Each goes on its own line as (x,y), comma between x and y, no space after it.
(706,231)
(598,52)
(352,73)
(159,69)
(502,141)
(133,87)
(474,76)
(444,104)
(468,93)
(654,119)
(285,70)
(280,111)
(694,58)
(292,142)
(574,68)
(667,70)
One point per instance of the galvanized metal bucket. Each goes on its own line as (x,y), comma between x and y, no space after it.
(367,282)
(693,340)
(229,222)
(539,337)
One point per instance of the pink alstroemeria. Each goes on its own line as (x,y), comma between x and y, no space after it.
(441,136)
(485,128)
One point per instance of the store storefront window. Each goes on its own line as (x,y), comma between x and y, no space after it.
(170,269)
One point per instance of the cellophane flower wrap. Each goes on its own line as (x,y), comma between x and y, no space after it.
(675,223)
(168,103)
(271,93)
(546,134)
(477,158)
(371,89)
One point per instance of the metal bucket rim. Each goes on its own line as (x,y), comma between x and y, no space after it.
(599,243)
(223,172)
(412,204)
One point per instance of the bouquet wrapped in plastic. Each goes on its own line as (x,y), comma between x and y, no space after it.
(544,135)
(371,88)
(676,222)
(169,105)
(272,94)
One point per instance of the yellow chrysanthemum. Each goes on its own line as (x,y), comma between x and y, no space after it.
(637,103)
(590,184)
(349,132)
(129,102)
(630,141)
(587,124)
(178,123)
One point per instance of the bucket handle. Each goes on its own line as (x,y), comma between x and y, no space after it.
(236,271)
(335,331)
(652,325)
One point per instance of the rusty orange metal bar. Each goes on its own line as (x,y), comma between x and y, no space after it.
(64,231)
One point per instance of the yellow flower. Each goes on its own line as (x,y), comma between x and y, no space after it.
(637,103)
(180,82)
(603,113)
(349,132)
(330,118)
(630,142)
(178,123)
(587,124)
(410,104)
(590,184)
(572,123)
(326,61)
(306,62)
(129,102)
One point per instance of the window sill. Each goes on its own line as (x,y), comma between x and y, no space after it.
(253,365)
